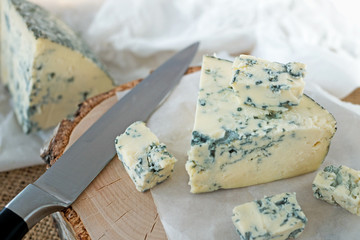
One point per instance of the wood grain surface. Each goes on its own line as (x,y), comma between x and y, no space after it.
(111,207)
(353,97)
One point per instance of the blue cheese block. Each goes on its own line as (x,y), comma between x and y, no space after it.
(277,217)
(236,145)
(339,186)
(268,85)
(49,70)
(147,161)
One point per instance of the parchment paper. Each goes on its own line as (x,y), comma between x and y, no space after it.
(208,216)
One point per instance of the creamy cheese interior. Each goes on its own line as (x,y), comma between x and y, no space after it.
(339,186)
(277,217)
(49,70)
(147,161)
(268,85)
(236,145)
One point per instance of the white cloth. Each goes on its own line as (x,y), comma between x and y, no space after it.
(134,37)
(314,32)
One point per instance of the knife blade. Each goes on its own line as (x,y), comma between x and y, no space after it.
(61,184)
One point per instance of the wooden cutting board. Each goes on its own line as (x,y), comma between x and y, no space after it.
(111,207)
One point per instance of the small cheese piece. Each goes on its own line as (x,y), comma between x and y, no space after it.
(339,185)
(276,217)
(147,161)
(268,85)
(236,145)
(49,70)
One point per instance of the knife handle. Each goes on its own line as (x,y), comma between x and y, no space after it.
(25,210)
(12,226)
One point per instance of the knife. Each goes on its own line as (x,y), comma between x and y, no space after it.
(61,184)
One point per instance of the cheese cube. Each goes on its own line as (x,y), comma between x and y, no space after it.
(339,185)
(277,217)
(268,85)
(48,69)
(147,161)
(236,145)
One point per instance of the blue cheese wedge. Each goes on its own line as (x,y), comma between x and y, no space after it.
(277,217)
(147,161)
(236,145)
(339,186)
(268,85)
(49,70)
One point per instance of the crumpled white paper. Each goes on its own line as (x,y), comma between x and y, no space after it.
(134,37)
(145,32)
(208,216)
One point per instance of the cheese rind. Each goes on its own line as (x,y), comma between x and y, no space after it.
(276,217)
(236,145)
(48,69)
(268,85)
(147,161)
(340,186)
